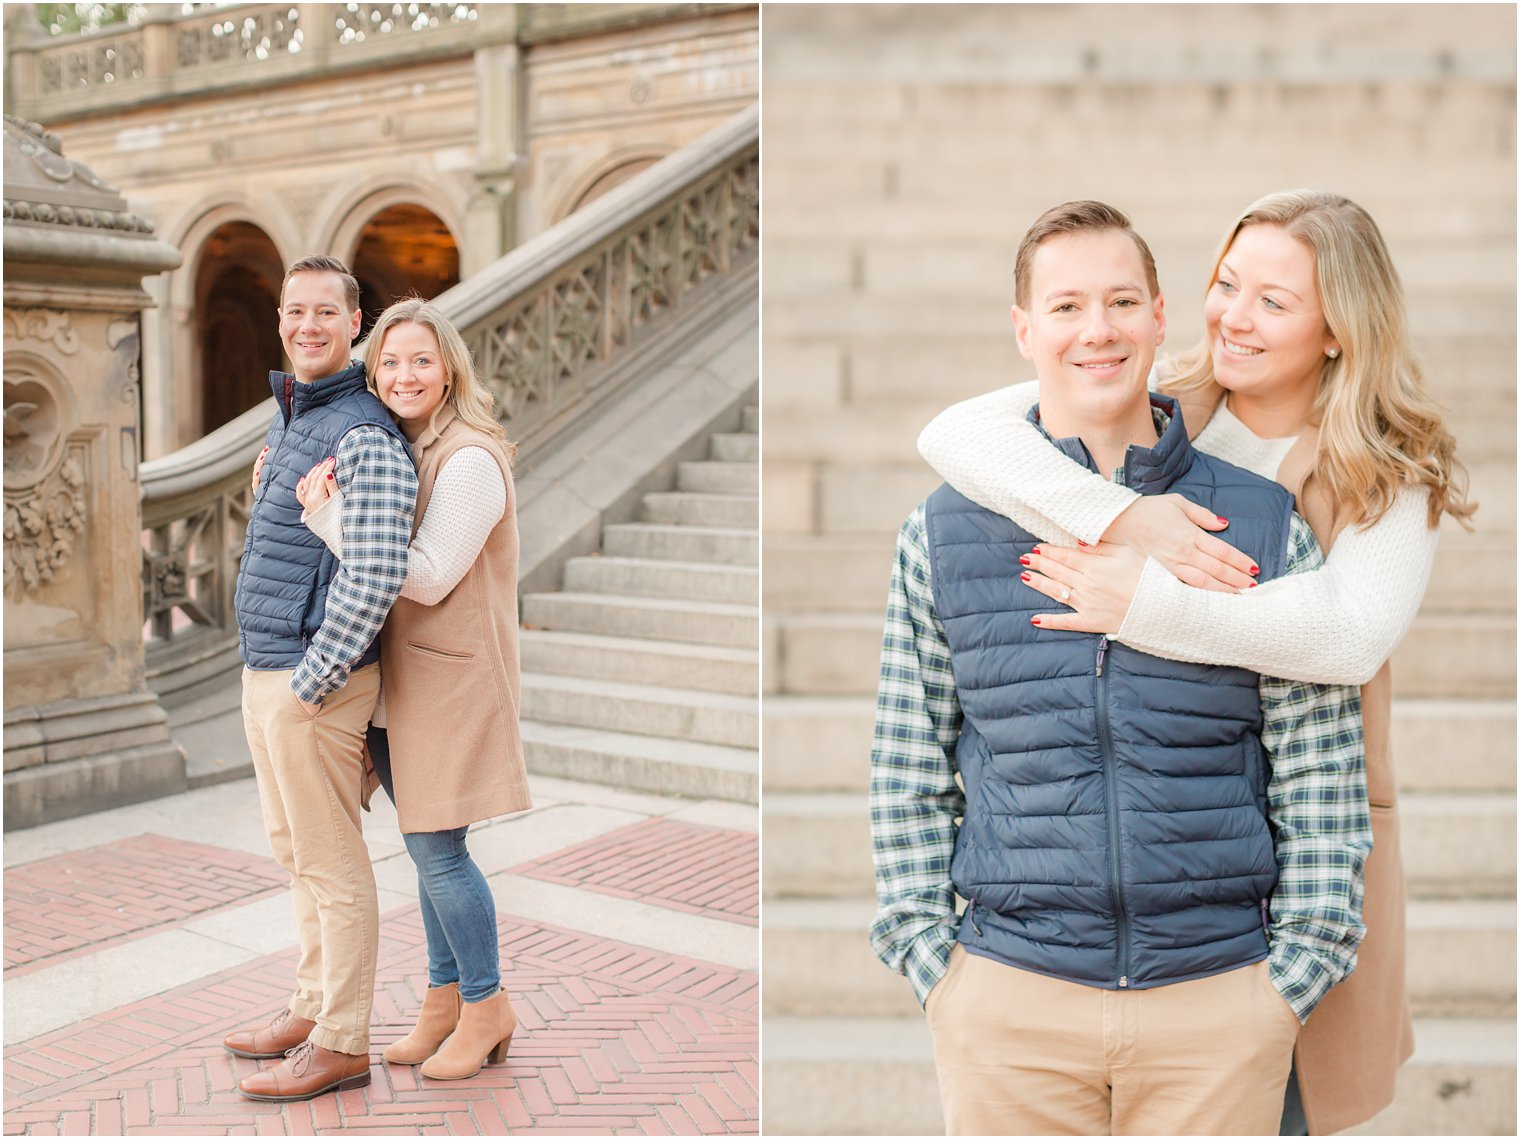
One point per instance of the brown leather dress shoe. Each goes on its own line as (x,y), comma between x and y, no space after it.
(309,1071)
(272,1041)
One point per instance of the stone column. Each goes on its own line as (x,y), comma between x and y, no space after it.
(82,731)
(491,215)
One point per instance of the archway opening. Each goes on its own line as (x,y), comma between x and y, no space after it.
(611,180)
(404,250)
(237,297)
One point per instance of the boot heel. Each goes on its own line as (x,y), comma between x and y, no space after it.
(351,1082)
(499,1053)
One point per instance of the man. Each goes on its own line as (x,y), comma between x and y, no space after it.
(307,631)
(1162,861)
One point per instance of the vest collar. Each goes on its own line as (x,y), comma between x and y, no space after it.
(1149,470)
(318,392)
(433,431)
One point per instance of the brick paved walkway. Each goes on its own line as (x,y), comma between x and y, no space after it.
(694,869)
(613,1038)
(81,900)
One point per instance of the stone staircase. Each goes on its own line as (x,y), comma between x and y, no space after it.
(643,669)
(894,204)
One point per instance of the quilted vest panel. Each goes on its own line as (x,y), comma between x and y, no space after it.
(1115,830)
(285,572)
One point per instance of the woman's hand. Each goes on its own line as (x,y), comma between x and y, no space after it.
(258,468)
(317,486)
(1174,531)
(1097,582)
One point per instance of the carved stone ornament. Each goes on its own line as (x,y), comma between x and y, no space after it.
(43,187)
(41,528)
(47,325)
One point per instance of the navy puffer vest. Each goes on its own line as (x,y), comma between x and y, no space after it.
(282,582)
(1115,831)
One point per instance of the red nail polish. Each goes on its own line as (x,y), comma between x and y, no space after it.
(1023,577)
(1221,521)
(1080,542)
(329,476)
(1254,568)
(1037,550)
(1034,620)
(1024,562)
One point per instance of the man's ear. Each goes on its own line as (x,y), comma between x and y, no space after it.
(358,319)
(1021,330)
(1160,310)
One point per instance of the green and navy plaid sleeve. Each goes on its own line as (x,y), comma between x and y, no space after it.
(1317,803)
(379,488)
(915,799)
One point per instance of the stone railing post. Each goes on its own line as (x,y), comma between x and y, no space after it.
(82,730)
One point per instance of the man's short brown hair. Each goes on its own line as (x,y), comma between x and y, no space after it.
(1076,217)
(324,264)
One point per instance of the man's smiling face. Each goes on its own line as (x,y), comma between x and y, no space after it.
(316,326)
(1092,326)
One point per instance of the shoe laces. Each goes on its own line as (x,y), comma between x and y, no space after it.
(299,1058)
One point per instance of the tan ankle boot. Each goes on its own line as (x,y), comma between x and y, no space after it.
(439,1015)
(485,1029)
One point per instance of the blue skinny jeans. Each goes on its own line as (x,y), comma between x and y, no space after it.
(458,912)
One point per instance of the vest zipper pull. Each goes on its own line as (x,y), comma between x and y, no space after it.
(971,915)
(1102,652)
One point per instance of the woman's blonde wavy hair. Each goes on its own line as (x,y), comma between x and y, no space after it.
(463,390)
(1378,430)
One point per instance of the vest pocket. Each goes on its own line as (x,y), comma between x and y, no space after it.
(441,654)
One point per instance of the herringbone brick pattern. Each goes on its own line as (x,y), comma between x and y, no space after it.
(682,866)
(77,902)
(613,1038)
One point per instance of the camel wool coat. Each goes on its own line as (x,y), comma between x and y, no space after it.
(451,671)
(1350,1049)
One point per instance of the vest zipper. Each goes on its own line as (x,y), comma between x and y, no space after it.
(1111,793)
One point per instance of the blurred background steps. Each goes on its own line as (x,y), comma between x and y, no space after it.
(643,671)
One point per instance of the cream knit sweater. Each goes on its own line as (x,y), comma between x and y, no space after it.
(468,499)
(1336,625)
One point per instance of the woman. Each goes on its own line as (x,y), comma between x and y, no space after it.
(450,657)
(1304,375)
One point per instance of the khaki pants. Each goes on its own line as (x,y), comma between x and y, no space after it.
(309,770)
(1019,1053)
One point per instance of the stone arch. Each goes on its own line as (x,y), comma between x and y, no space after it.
(223,302)
(606,175)
(398,240)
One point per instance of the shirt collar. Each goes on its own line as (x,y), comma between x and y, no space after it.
(1149,470)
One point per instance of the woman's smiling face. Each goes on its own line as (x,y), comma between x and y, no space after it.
(410,376)
(1266,329)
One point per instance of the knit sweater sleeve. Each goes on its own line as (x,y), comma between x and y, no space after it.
(1334,625)
(468,498)
(987,449)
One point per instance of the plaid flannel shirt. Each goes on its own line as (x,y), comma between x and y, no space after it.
(379,486)
(1317,798)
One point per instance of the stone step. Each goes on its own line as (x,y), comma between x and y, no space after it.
(817,743)
(642,709)
(642,763)
(712,477)
(1474,573)
(828,654)
(661,577)
(736,447)
(1454,745)
(812,573)
(819,962)
(1457,654)
(672,664)
(1459,846)
(1454,845)
(690,509)
(823,743)
(875,1076)
(724,544)
(750,423)
(665,619)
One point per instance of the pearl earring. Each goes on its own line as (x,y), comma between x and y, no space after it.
(1333,353)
